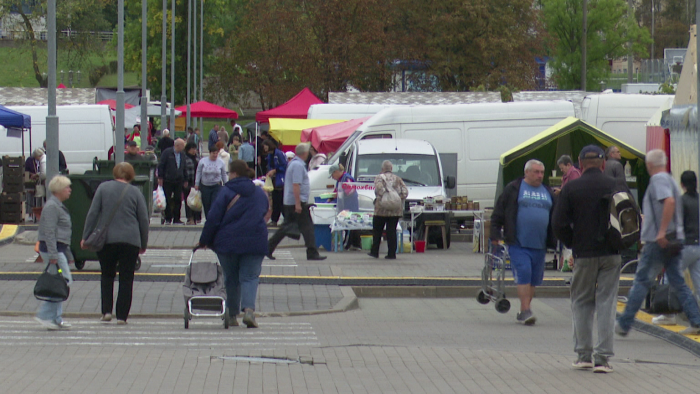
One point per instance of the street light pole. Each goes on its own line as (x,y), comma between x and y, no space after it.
(189,57)
(194,57)
(51,119)
(144,74)
(172,72)
(119,147)
(584,38)
(163,86)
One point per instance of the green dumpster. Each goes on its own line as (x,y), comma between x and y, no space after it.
(84,188)
(145,168)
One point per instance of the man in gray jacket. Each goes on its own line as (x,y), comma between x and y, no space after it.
(613,164)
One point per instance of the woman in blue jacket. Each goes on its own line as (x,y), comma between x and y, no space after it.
(236,231)
(277,166)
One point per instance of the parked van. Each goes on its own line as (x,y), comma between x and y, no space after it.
(345,111)
(84,132)
(624,116)
(470,139)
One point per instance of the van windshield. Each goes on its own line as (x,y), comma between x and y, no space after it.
(415,170)
(349,141)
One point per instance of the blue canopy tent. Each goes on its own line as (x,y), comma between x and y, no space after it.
(15,123)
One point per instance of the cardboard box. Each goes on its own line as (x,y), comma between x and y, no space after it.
(11,217)
(10,187)
(12,161)
(10,207)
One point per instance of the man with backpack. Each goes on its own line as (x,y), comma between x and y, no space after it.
(663,237)
(581,221)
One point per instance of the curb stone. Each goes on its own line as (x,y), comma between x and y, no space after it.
(347,303)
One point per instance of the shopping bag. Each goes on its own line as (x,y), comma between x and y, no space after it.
(269,186)
(159,199)
(194,200)
(51,286)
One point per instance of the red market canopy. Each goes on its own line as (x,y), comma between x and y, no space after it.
(203,109)
(113,104)
(296,108)
(328,138)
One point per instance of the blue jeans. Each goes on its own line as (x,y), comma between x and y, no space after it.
(652,261)
(209,194)
(690,260)
(241,277)
(52,311)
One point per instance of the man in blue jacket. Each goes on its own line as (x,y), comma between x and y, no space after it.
(213,136)
(524,212)
(172,176)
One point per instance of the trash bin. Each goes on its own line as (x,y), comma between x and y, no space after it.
(83,190)
(141,168)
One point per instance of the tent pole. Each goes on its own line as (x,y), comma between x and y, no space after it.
(256,149)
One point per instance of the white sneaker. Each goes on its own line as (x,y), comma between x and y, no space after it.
(664,320)
(48,324)
(64,326)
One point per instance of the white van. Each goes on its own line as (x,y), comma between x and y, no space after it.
(345,111)
(469,137)
(623,116)
(417,162)
(84,132)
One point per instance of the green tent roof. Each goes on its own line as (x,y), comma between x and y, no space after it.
(567,137)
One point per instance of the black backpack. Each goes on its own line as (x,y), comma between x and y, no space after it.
(625,220)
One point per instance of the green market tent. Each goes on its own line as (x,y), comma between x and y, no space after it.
(567,137)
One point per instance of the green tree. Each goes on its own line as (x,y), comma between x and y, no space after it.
(480,42)
(76,22)
(217,26)
(609,32)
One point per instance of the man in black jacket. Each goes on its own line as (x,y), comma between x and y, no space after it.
(172,176)
(523,212)
(580,221)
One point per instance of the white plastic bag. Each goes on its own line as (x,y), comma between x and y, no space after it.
(194,200)
(159,202)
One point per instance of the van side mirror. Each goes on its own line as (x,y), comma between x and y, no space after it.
(450,182)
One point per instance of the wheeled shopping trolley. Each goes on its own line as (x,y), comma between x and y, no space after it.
(204,291)
(493,287)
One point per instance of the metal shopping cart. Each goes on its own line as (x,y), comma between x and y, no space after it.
(493,288)
(204,291)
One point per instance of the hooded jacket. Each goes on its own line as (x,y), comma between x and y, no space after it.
(241,229)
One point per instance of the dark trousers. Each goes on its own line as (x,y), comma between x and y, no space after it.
(378,224)
(126,255)
(209,194)
(291,221)
(195,216)
(173,198)
(277,204)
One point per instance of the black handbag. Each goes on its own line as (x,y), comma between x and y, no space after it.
(663,300)
(98,238)
(51,286)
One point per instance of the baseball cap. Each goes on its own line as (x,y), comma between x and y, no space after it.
(290,155)
(591,152)
(333,169)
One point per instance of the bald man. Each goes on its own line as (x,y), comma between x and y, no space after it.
(172,176)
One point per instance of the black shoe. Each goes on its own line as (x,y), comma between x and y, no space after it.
(178,222)
(376,256)
(317,258)
(270,257)
(390,257)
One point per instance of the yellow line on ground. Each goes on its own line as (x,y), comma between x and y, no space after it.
(646,318)
(7,231)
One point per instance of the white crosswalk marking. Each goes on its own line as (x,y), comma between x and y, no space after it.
(203,333)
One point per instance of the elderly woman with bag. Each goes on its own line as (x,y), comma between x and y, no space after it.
(236,231)
(119,213)
(391,193)
(55,230)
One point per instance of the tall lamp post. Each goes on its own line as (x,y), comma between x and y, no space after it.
(172,72)
(51,119)
(144,74)
(584,39)
(119,145)
(163,59)
(189,58)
